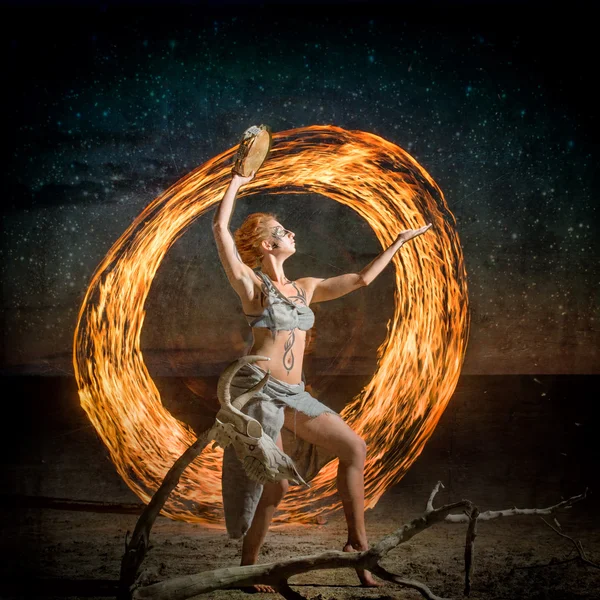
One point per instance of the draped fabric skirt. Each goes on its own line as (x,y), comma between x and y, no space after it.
(240,493)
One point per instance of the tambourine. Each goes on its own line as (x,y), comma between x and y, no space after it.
(254,147)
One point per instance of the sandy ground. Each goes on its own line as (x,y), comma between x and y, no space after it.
(58,548)
(502,442)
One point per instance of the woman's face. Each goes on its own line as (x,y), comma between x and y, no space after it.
(281,237)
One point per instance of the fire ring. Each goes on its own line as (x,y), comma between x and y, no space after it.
(419,362)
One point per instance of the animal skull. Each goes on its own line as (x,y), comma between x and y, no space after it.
(262,459)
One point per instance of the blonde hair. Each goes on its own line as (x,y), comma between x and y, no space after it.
(249,236)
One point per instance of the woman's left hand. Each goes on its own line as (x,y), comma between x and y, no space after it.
(409,234)
(240,180)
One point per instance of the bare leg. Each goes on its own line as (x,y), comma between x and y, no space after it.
(271,496)
(331,432)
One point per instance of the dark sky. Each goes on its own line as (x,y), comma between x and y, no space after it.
(107,105)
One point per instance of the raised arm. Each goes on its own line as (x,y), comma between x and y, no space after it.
(239,274)
(335,287)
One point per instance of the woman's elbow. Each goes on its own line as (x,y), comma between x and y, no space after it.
(219,228)
(363,280)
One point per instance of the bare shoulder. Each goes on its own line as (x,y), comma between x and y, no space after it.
(309,284)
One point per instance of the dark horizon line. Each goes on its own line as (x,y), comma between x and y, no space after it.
(16,373)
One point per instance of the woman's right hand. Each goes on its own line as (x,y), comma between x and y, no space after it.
(409,234)
(240,180)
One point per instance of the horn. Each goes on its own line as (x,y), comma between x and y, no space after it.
(228,374)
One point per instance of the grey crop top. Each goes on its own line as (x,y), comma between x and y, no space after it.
(280,312)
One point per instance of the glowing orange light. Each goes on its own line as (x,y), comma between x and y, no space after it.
(418,363)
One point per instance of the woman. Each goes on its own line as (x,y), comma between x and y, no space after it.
(278,311)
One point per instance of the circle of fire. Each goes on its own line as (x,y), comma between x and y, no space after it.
(419,362)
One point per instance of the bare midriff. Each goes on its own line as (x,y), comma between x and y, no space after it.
(286,352)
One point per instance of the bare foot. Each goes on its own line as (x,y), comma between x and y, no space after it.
(366,578)
(259,588)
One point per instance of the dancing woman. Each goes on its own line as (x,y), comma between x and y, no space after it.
(278,310)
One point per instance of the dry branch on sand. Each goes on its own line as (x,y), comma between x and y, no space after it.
(277,574)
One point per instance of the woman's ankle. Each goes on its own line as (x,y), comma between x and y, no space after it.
(357,545)
(249,559)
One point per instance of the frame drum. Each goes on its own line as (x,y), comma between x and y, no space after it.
(254,147)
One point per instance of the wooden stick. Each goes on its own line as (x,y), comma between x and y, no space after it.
(272,574)
(470,548)
(494,514)
(138,546)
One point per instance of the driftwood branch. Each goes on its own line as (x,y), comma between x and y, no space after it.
(138,546)
(511,512)
(273,574)
(277,574)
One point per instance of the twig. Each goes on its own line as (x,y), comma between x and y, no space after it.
(577,544)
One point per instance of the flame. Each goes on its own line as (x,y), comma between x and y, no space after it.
(419,362)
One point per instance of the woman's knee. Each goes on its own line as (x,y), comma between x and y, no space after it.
(354,451)
(361,448)
(276,491)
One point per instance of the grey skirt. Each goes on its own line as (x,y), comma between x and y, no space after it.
(240,493)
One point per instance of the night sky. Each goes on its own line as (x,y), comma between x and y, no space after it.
(107,106)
